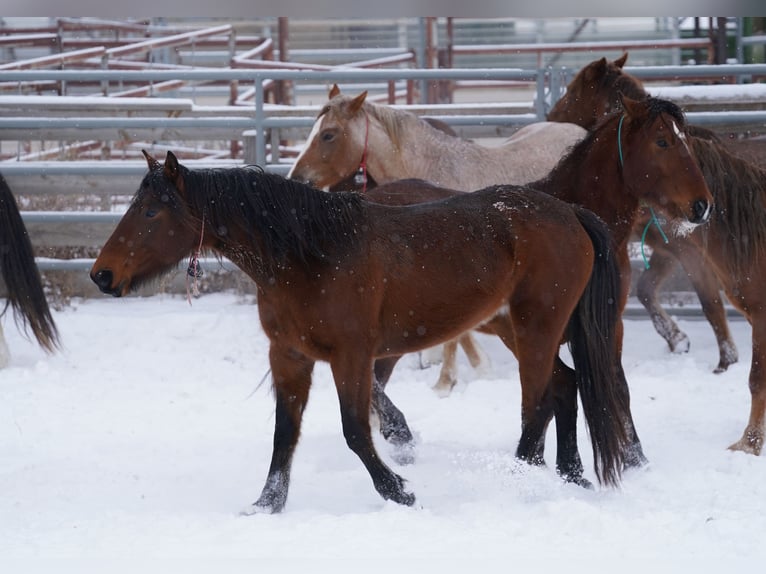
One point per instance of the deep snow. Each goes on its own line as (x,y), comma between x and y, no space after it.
(136,447)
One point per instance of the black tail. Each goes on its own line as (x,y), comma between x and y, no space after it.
(597,362)
(21,276)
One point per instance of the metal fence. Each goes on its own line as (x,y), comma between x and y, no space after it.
(265,122)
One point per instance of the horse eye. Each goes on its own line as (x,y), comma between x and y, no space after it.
(662,143)
(328,136)
(151,212)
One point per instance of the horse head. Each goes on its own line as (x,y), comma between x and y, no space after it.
(337,144)
(657,162)
(133,254)
(595,92)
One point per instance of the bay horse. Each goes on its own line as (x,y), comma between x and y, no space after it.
(727,253)
(345,280)
(385,143)
(593,92)
(364,182)
(630,158)
(25,293)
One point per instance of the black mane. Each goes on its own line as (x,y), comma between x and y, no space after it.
(285,220)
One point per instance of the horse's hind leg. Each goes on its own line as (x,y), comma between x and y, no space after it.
(353,381)
(568,462)
(477,358)
(292,380)
(754,434)
(393,424)
(448,374)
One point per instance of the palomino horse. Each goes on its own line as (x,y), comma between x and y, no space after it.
(594,92)
(389,144)
(638,156)
(22,278)
(344,280)
(739,189)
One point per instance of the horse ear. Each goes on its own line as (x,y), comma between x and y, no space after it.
(153,163)
(596,69)
(356,103)
(632,107)
(172,170)
(334,91)
(620,62)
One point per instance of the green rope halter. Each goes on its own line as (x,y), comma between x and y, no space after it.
(653,219)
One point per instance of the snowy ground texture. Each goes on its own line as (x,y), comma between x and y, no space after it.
(135,448)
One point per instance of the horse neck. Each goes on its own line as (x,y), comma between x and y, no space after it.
(591,176)
(419,151)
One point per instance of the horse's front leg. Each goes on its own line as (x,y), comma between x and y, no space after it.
(649,282)
(353,374)
(291,375)
(708,290)
(753,436)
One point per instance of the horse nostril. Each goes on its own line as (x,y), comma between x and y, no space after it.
(701,211)
(103,279)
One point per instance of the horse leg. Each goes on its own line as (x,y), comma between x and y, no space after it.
(649,282)
(477,358)
(708,290)
(559,399)
(391,421)
(753,436)
(291,374)
(568,462)
(448,374)
(5,353)
(353,382)
(393,424)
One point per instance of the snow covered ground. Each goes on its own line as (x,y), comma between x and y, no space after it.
(135,448)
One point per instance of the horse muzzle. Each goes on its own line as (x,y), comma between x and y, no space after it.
(103,279)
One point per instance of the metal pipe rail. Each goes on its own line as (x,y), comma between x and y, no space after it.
(258,77)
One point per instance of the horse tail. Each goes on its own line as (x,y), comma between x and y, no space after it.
(592,336)
(22,278)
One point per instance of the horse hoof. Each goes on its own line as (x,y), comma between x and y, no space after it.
(403,454)
(404,498)
(729,356)
(634,457)
(443,388)
(680,344)
(748,444)
(579,480)
(257,508)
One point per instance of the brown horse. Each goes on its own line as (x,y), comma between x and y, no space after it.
(344,280)
(363,182)
(22,279)
(386,143)
(594,92)
(716,255)
(636,157)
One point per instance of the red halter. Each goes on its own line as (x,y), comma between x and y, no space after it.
(361,173)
